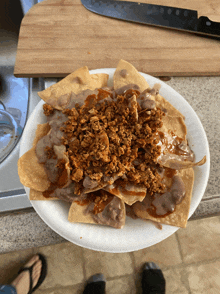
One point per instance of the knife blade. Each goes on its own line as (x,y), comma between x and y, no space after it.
(155,15)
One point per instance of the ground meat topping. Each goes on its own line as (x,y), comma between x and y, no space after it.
(111,136)
(48,110)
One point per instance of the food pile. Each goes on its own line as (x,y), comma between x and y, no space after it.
(111,151)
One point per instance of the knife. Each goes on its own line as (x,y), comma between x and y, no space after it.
(155,15)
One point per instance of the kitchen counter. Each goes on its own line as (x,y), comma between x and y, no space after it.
(25,229)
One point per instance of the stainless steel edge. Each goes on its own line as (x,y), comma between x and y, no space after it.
(14,200)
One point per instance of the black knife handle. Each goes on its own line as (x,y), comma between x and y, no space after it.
(205,25)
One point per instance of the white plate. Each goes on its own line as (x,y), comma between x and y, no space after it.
(136,234)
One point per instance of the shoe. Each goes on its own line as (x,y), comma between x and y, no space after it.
(153,281)
(95,285)
(42,275)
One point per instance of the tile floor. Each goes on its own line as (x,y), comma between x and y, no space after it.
(190,260)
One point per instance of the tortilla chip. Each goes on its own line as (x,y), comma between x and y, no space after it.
(42,130)
(31,172)
(99,187)
(100,80)
(132,77)
(76,82)
(37,195)
(130,194)
(165,106)
(78,214)
(178,164)
(174,124)
(180,216)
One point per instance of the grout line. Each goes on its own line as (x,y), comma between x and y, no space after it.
(118,277)
(134,274)
(179,247)
(198,263)
(59,288)
(184,279)
(84,265)
(133,261)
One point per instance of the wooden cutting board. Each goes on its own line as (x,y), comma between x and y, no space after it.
(58,36)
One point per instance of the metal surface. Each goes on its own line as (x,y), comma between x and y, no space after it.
(13,109)
(27,4)
(12,193)
(14,106)
(8,133)
(14,200)
(156,15)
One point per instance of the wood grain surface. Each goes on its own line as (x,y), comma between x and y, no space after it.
(58,36)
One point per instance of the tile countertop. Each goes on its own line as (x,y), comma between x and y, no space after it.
(25,229)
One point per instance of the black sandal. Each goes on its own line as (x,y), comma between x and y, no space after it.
(42,275)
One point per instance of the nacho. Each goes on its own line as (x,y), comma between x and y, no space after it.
(178,164)
(111,151)
(77,214)
(37,195)
(58,95)
(31,170)
(129,194)
(166,106)
(126,74)
(32,173)
(174,124)
(111,213)
(179,216)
